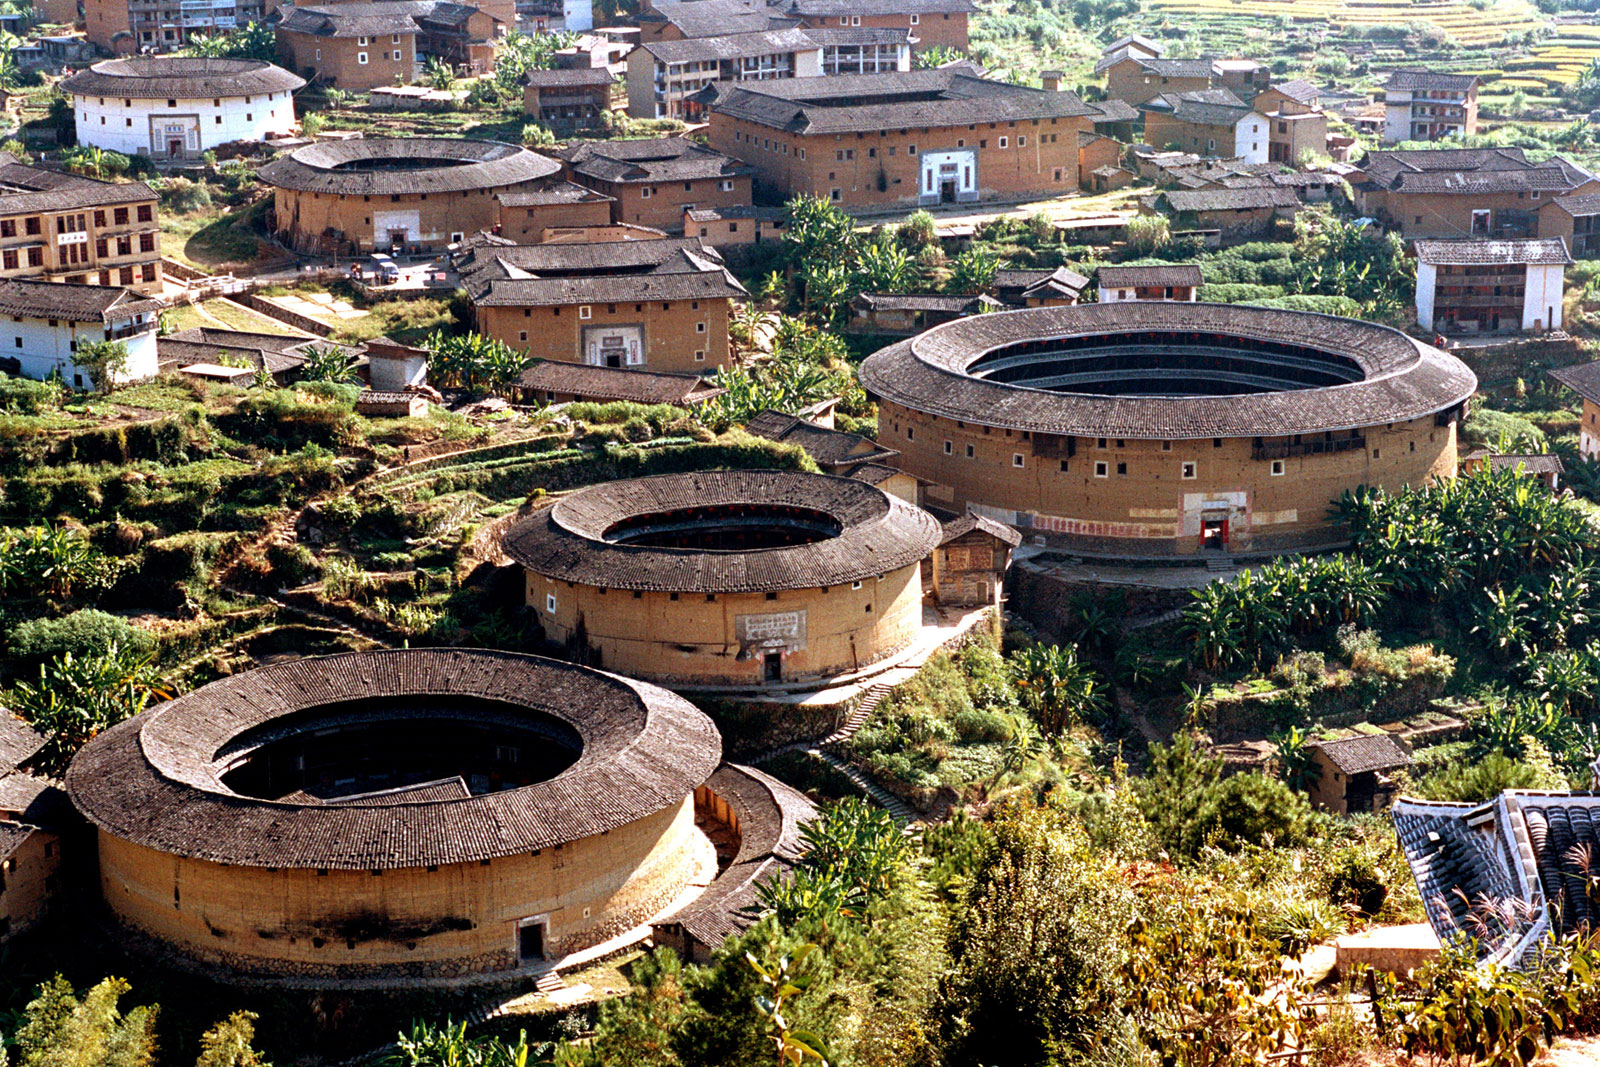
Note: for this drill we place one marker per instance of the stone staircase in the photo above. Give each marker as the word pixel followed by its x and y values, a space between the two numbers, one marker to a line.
pixel 549 982
pixel 858 717
pixel 897 808
pixel 1220 565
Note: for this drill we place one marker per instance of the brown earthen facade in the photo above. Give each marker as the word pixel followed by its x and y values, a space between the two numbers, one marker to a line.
pixel 354 64
pixel 1148 496
pixel 311 220
pixel 677 335
pixel 530 223
pixel 696 639
pixel 27 876
pixel 443 920
pixel 1130 82
pixel 1009 159
pixel 661 204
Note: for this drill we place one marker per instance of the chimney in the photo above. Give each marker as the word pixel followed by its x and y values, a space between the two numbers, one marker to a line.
pixel 1051 81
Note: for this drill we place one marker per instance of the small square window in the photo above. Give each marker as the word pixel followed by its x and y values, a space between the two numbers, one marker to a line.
pixel 361 58
pixel 1122 468
pixel 583 311
pixel 1277 467
pixel 1064 466
pixel 1101 468
pixel 972 452
pixel 911 435
pixel 1005 142
pixel 550 603
pixel 699 327
pixel 1017 460
pixel 1166 446
pixel 699 355
pixel 855 585
pixel 949 448
pixel 1100 442
pixel 1188 470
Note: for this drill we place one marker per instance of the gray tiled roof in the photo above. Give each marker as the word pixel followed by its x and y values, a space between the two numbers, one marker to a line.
pixel 708 18
pixel 25 189
pixel 960 527
pixel 1470 171
pixel 276 353
pixel 564 78
pixel 1157 274
pixel 1548 250
pixel 617 383
pixel 878 534
pixel 1248 198
pixel 18 741
pixel 1510 872
pixel 769 42
pixel 830 448
pixel 554 193
pixel 382 166
pixel 1039 281
pixel 1113 111
pixel 1427 79
pixel 955 305
pixel 156 779
pixel 659 159
pixel 770 815
pixel 1579 204
pixel 606 272
pixel 1203 107
pixel 1583 379
pixel 1203 67
pixel 874 8
pixel 1403 378
pixel 849 103
pixel 72 303
pixel 13 835
pixel 1365 752
pixel 1299 90
pixel 353 20
pixel 158 77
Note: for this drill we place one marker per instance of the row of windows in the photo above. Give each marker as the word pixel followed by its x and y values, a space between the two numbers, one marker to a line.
pixel 173 103
pixel 10 258
pixel 586 311
pixel 249 116
pixel 550 601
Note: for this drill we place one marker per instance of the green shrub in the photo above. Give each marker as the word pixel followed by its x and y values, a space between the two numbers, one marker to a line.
pixel 82 633
pixel 22 396
pixel 1248 809
pixel 978 727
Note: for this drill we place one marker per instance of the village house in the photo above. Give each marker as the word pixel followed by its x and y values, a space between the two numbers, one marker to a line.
pixel 1296 125
pixel 1038 287
pixel 126 27
pixel 652 182
pixel 1545 468
pixel 532 216
pixel 1479 286
pixel 49 321
pixel 1575 218
pixel 566 99
pixel 1242 214
pixel 665 76
pixel 1207 122
pixel 656 305
pixel 1467 192
pixel 1096 154
pixel 837 452
pixel 927 23
pixel 1422 105
pixel 554 382
pixel 1584 379
pixel 943 135
pixel 969 566
pixel 1354 772
pixel 66 228
pixel 1168 282
pixel 280 355
pixel 905 314
pixel 357 46
pixel 1135 78
pixel 1109 118
pixel 31 811
pixel 722 227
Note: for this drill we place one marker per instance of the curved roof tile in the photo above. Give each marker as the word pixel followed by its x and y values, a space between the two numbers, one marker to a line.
pixel 880 534
pixel 155 779
pixel 1404 378
pixel 358 167
pixel 180 77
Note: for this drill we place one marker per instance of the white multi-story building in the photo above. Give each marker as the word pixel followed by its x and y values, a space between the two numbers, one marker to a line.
pixel 42 325
pixel 173 109
pixel 1491 286
pixel 663 75
pixel 1419 105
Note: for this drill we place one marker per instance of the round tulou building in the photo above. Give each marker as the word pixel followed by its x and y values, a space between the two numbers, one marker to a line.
pixel 728 578
pixel 175 109
pixel 431 812
pixel 382 194
pixel 1166 428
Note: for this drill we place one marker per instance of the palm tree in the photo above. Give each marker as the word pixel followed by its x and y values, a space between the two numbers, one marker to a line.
pixel 1060 691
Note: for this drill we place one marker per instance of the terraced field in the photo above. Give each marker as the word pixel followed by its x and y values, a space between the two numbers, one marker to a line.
pixel 1466 24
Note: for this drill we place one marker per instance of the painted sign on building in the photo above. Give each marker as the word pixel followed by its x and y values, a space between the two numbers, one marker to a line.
pixel 778 631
